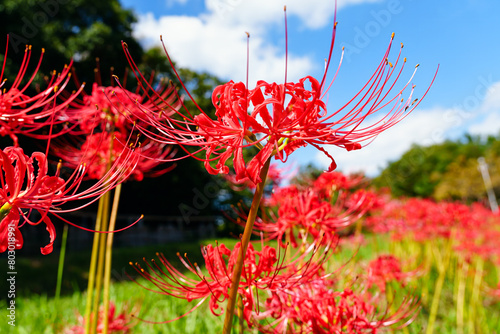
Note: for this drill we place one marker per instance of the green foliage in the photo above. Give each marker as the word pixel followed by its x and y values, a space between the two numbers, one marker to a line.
pixel 444 171
pixel 78 29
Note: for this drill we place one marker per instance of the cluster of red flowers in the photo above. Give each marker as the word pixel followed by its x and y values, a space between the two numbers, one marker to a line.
pixel 103 123
pixel 25 114
pixel 317 307
pixel 117 323
pixel 290 288
pixel 276 119
pixel 474 229
pixel 318 212
pixel 265 270
pixel 284 289
pixel 271 121
pixel 27 183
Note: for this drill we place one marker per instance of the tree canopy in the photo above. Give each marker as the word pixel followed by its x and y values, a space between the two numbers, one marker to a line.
pixel 82 30
pixel 444 171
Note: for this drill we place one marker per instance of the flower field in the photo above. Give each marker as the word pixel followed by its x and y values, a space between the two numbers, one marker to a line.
pixel 321 253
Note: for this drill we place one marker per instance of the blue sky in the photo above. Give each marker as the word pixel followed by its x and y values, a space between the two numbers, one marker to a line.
pixel 461 36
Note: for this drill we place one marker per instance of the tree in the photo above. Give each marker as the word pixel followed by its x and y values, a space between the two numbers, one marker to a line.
pixel 443 171
pixel 82 30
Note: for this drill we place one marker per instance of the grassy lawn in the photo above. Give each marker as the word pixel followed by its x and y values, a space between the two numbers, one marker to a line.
pixel 38 312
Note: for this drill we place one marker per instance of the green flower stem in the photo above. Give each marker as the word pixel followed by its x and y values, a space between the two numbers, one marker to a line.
pixel 442 264
pixel 245 239
pixel 97 258
pixel 475 298
pixel 108 260
pixel 462 269
pixel 60 267
pixel 427 261
pixel 93 266
pixel 100 263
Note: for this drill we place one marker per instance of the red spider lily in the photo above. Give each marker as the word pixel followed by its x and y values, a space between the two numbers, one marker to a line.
pixel 276 119
pixel 106 118
pixel 426 220
pixel 327 183
pixel 262 270
pixel 305 214
pixel 422 218
pixel 474 229
pixel 117 323
pixel 384 269
pixel 21 113
pixel 478 233
pixel 316 307
pixel 105 147
pixel 116 108
pixel 26 185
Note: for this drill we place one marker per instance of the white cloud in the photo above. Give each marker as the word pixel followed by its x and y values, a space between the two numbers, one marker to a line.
pixel 423 127
pixel 204 44
pixel 490 125
pixel 258 14
pixel 492 98
pixel 215 41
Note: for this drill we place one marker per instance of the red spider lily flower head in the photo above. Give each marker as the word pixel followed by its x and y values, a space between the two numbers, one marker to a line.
pixel 262 270
pixel 478 232
pixel 104 148
pixel 115 107
pixel 304 214
pixel 27 185
pixel 107 118
pixel 105 104
pixel 22 113
pixel 276 119
pixel 120 323
pixel 327 183
pixel 317 307
pixel 384 269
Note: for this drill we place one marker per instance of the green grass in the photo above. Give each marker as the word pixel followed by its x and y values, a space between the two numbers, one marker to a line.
pixel 40 314
pixel 37 312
